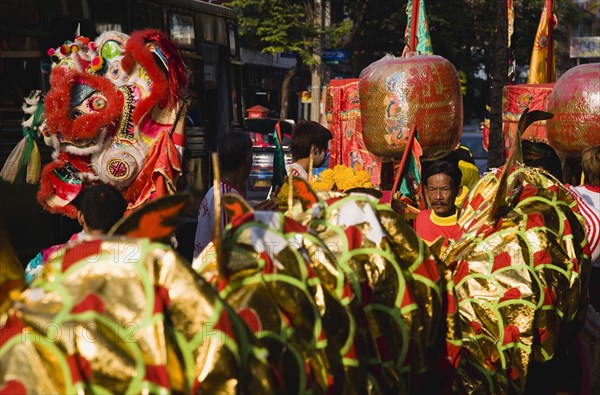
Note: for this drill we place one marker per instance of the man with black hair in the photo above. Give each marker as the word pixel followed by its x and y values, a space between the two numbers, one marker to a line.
pixel 235 160
pixel 100 207
pixel 463 158
pixel 309 140
pixel 441 185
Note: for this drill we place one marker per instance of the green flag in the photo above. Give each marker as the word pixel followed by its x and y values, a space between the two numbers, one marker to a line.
pixel 410 184
pixel 279 172
pixel 417 19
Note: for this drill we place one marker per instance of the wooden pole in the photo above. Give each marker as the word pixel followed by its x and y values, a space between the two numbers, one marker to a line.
pixel 550 48
pixel 218 220
pixel 499 80
pixel 315 105
pixel 407 149
pixel 290 195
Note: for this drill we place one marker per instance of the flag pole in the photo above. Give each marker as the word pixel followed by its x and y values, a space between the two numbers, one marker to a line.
pixel 278 129
pixel 407 148
pixel 278 161
pixel 218 219
pixel 550 48
pixel 413 25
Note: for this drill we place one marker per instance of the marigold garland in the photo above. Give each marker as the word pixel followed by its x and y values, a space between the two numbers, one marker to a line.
pixel 341 178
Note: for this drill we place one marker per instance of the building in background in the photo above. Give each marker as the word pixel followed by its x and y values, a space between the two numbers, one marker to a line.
pixel 205 33
pixel 262 76
pixel 585 38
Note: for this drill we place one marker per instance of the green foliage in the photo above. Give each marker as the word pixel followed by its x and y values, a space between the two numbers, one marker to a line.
pixel 527 18
pixel 339 33
pixel 277 26
pixel 462 31
pixel 464 36
pixel 380 32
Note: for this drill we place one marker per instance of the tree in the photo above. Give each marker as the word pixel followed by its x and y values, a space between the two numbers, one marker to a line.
pixel 373 28
pixel 285 26
pixel 378 30
pixel 462 31
pixel 499 80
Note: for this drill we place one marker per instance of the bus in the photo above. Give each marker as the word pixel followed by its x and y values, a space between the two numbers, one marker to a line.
pixel 206 35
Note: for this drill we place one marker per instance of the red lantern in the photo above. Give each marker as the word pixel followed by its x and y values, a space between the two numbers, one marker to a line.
pixel 575 103
pixel 395 93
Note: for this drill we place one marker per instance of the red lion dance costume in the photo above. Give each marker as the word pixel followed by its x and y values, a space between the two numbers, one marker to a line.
pixel 110 111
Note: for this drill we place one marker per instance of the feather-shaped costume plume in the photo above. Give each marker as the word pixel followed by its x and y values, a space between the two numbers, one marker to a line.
pixel 24 162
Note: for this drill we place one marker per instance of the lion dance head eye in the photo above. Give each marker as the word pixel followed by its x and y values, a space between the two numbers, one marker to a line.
pixel 97 103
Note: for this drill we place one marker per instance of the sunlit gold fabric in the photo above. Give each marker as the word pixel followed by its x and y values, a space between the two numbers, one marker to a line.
pixel 520 280
pixel 126 316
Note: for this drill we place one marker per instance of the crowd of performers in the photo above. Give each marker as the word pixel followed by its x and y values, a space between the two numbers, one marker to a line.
pixel 339 293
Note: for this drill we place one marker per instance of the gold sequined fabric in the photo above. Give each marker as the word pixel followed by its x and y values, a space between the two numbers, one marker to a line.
pixel 348 277
pixel 406 299
pixel 116 315
pixel 284 283
pixel 520 278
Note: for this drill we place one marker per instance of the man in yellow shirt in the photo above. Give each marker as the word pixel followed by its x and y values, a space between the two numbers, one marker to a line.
pixel 463 158
pixel 441 185
pixel 466 164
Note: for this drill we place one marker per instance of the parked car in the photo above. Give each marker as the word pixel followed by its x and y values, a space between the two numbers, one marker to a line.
pixel 261 173
pixel 473 140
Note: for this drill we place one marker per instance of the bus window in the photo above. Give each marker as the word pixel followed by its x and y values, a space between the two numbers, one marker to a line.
pixel 221 33
pixel 195 74
pixel 15 16
pixel 214 29
pixel 106 19
pixel 210 55
pixel 233 48
pixel 181 30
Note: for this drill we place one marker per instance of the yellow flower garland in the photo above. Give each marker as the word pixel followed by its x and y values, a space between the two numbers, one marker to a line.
pixel 341 178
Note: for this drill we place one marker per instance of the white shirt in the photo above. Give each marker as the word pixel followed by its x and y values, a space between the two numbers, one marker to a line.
pixel 296 170
pixel 206 217
pixel 589 205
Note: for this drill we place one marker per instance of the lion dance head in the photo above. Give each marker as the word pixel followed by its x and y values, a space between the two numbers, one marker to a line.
pixel 110 112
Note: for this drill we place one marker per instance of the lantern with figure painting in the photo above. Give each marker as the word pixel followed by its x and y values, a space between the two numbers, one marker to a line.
pixel 396 93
